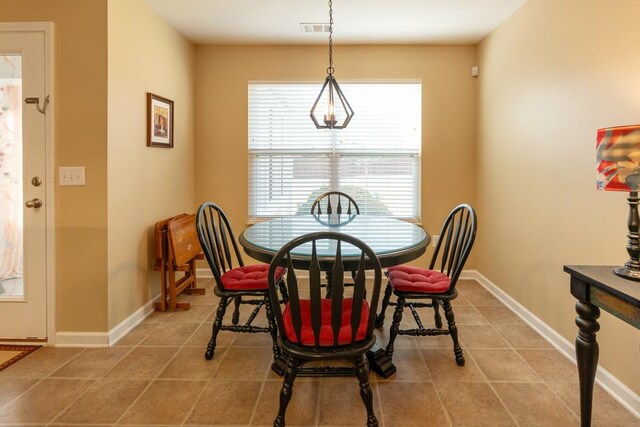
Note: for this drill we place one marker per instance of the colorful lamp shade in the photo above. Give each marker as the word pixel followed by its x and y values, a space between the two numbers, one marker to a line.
pixel 618 158
pixel 618 163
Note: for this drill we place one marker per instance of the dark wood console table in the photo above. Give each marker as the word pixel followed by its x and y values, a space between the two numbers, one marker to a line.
pixel 598 287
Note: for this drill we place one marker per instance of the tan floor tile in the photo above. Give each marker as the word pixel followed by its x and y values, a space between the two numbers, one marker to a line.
pixel 469 285
pixel 41 362
pixel 262 339
pixel 409 365
pixel 460 300
pixel 436 341
pixel 442 366
pixel 475 404
pixel 10 388
pixel 104 402
pixel 157 317
pixel 411 404
pixel 226 402
pixel 340 402
pixel 503 365
pixel 190 363
pixel 480 297
pixel 143 362
pixel 43 402
pixel 135 336
pixel 607 412
pixel 402 341
pixel 245 363
pixel 164 402
pixel 208 298
pixel 534 405
pixel 302 407
pixel 499 315
pixel 550 365
pixel 203 334
pixel 465 315
pixel 170 334
pixel 92 363
pixel 522 336
pixel 195 314
pixel 481 336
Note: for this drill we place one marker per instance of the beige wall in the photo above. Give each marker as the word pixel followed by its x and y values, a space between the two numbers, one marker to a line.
pixel 549 77
pixel 80 137
pixel 448 114
pixel 146 184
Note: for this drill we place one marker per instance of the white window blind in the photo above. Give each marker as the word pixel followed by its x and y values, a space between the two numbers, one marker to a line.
pixel 376 159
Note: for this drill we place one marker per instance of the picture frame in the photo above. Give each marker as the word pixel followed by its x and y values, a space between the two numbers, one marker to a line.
pixel 159 121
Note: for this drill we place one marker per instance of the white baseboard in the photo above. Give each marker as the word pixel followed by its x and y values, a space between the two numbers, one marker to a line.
pixel 106 339
pixel 623 394
pixel 82 339
pixel 123 328
pixel 204 273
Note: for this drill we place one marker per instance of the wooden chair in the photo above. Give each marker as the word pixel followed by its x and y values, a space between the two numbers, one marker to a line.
pixel 332 202
pixel 233 283
pixel 177 249
pixel 438 283
pixel 315 328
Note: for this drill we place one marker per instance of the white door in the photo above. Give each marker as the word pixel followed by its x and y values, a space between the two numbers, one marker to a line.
pixel 23 149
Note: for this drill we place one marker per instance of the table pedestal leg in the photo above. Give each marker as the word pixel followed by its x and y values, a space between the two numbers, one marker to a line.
pixel 587 356
pixel 379 362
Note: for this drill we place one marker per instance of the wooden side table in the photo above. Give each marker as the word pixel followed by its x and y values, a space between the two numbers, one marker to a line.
pixel 596 287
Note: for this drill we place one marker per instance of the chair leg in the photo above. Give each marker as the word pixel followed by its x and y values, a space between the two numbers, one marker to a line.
pixel 385 304
pixel 217 324
pixel 235 319
pixel 395 326
pixel 283 291
pixel 436 315
pixel 453 331
pixel 329 276
pixel 365 390
pixel 286 391
pixel 272 327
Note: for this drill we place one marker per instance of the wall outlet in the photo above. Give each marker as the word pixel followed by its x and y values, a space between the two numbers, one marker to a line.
pixel 434 240
pixel 71 175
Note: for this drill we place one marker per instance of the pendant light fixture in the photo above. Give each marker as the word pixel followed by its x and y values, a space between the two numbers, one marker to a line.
pixel 338 112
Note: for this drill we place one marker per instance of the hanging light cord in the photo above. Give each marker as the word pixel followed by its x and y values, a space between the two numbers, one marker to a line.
pixel 330 69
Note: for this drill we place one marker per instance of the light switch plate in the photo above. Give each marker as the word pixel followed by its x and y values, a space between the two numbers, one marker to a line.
pixel 71 175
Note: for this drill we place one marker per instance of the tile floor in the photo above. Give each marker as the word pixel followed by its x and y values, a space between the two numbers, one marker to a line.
pixel 157 375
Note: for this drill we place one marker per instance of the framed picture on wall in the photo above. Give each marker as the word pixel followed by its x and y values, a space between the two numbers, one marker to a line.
pixel 159 121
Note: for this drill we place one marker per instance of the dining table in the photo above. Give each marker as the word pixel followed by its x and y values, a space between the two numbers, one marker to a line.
pixel 394 242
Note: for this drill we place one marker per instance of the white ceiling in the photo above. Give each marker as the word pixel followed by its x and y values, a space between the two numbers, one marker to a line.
pixel 355 21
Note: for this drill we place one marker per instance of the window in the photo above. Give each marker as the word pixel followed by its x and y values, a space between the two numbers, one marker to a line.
pixel 376 159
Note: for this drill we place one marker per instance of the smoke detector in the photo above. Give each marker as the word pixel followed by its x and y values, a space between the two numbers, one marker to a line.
pixel 314 27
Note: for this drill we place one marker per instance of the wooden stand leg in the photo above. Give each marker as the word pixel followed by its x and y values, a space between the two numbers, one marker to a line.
pixel 587 352
pixel 162 305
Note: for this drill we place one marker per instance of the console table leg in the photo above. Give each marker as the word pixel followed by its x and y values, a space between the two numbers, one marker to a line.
pixel 587 352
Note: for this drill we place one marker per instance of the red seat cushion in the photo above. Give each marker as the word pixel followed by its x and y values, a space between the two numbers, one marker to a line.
pixel 326 332
pixel 249 278
pixel 406 278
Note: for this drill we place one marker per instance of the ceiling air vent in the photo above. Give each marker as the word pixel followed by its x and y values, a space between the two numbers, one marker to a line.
pixel 314 28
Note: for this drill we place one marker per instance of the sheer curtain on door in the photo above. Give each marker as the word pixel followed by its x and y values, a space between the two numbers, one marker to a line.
pixel 11 253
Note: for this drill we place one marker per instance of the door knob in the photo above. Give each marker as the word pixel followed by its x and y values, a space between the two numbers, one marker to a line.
pixel 35 203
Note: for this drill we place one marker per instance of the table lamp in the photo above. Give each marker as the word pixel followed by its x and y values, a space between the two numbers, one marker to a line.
pixel 618 162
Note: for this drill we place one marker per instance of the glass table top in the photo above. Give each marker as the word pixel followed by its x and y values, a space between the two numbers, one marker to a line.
pixel 384 235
